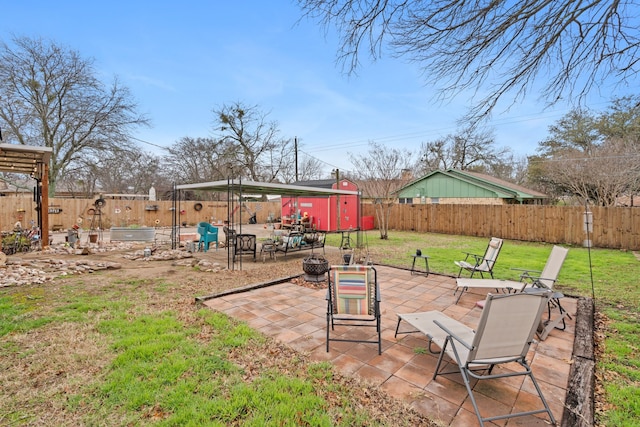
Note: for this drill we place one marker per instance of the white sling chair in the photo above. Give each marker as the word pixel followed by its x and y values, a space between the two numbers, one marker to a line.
pixel 503 335
pixel 481 263
pixel 531 280
pixel 546 279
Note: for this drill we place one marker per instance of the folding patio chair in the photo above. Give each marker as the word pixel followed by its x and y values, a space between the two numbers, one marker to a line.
pixel 503 336
pixel 353 299
pixel 549 274
pixel 481 263
pixel 546 279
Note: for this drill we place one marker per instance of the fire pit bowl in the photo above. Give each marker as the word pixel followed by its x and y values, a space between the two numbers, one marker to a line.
pixel 315 267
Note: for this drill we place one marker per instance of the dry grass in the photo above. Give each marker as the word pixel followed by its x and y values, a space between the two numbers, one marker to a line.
pixel 43 369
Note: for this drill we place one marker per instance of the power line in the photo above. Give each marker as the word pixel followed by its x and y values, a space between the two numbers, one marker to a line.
pixel 584 159
pixel 438 131
pixel 149 143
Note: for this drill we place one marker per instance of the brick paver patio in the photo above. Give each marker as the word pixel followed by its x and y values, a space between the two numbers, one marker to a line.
pixel 296 315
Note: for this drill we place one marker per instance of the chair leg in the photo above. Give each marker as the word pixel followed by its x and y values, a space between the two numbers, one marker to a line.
pixel 397 327
pixel 379 330
pixel 440 357
pixel 544 401
pixel 563 312
pixel 467 384
pixel 329 321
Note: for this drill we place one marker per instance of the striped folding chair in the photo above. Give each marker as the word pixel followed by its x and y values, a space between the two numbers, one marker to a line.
pixel 353 299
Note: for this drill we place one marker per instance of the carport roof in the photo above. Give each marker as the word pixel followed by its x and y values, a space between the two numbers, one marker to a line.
pixel 17 158
pixel 251 187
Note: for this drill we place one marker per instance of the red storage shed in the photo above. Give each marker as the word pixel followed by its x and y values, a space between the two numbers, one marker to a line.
pixel 322 212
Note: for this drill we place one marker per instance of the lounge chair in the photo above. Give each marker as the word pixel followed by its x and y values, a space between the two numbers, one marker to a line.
pixel 549 274
pixel 531 280
pixel 481 263
pixel 546 279
pixel 463 284
pixel 353 299
pixel 503 336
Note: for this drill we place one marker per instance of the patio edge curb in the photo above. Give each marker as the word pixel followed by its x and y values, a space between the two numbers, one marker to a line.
pixel 247 288
pixel 579 404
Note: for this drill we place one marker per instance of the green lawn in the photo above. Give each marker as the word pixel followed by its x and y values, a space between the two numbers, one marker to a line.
pixel 611 276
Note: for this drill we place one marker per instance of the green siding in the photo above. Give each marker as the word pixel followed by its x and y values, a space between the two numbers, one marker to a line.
pixel 459 184
pixel 447 187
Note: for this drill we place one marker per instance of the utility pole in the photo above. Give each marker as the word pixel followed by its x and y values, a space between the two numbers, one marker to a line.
pixel 337 200
pixel 295 142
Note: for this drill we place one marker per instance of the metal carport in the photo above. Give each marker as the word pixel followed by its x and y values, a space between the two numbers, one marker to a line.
pixel 239 187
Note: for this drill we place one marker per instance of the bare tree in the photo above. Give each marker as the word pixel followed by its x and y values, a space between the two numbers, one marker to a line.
pixel 52 97
pixel 512 168
pixel 258 152
pixel 470 148
pixel 198 159
pixel 501 46
pixel 379 173
pixel 591 156
pixel 609 171
pixel 127 172
pixel 309 168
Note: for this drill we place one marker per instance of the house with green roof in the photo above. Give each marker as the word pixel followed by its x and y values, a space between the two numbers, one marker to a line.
pixel 464 187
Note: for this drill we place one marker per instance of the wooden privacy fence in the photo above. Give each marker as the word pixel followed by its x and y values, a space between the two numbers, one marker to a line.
pixel 617 228
pixel 64 213
pixel 613 227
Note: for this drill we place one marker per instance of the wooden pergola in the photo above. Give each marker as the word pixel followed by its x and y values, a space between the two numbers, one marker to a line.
pixel 32 161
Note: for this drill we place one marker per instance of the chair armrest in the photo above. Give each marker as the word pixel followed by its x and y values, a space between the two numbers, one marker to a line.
pixel 479 259
pixel 452 335
pixel 525 270
pixel 539 284
pixel 529 275
pixel 469 254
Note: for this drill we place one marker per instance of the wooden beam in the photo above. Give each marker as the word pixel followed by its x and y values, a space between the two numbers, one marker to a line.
pixel 44 206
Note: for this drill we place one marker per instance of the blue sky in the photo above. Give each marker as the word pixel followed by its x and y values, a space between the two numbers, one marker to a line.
pixel 183 59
